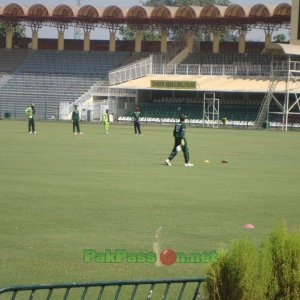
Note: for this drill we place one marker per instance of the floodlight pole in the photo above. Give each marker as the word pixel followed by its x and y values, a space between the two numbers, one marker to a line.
pixel 286 105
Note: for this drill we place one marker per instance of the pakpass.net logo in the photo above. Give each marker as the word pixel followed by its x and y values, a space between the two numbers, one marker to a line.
pixel 166 257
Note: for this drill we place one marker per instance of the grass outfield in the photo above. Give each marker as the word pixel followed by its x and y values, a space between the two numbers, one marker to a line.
pixel 61 194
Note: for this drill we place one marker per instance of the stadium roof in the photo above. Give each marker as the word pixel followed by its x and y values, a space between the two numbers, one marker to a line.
pixel 283 49
pixel 160 15
pixel 213 84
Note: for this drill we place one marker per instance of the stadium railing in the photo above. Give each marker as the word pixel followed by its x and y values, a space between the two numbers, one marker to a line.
pixel 130 289
pixel 212 70
pixel 132 71
pixel 146 67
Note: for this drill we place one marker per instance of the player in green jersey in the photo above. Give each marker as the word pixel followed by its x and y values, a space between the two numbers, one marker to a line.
pixel 180 143
pixel 105 120
pixel 75 119
pixel 136 121
pixel 30 112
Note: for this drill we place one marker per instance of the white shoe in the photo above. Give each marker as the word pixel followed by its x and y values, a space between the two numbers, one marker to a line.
pixel 30 132
pixel 75 133
pixel 189 164
pixel 168 162
pixel 35 132
pixel 80 133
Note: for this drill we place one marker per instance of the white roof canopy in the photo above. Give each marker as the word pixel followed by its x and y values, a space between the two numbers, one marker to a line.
pixel 283 49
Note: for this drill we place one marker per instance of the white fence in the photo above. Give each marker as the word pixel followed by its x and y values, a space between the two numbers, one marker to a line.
pixel 212 70
pixel 147 67
pixel 136 70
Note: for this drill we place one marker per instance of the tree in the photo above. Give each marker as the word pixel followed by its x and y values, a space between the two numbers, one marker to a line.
pixel 279 38
pixel 19 31
pixel 177 34
pixel 127 34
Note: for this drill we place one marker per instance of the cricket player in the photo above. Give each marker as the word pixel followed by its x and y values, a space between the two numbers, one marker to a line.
pixel 30 112
pixel 75 119
pixel 106 121
pixel 180 143
pixel 136 121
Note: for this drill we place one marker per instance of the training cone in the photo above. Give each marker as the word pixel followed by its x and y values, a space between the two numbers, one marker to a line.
pixel 249 226
pixel 206 161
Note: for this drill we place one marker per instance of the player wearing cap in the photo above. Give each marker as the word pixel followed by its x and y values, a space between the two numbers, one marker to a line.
pixel 75 119
pixel 30 111
pixel 180 143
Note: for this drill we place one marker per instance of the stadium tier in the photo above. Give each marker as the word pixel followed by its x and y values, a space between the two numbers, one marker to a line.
pixel 48 77
pixel 10 60
pixel 228 58
pixel 194 110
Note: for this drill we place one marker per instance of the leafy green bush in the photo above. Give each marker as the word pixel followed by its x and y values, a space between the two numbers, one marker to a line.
pixel 242 272
pixel 284 247
pixel 248 271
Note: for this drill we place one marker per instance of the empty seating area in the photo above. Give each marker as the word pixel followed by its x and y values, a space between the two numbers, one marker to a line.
pixel 45 90
pixel 240 99
pixel 134 57
pixel 232 46
pixel 48 77
pixel 164 111
pixel 228 58
pixel 239 112
pixel 72 62
pixel 189 100
pixel 10 60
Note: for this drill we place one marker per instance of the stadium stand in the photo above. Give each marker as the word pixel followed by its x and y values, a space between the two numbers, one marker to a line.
pixel 168 110
pixel 48 77
pixel 10 60
pixel 239 109
pixel 227 58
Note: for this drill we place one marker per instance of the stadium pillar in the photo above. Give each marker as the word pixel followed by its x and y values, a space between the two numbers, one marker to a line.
pixel 60 45
pixel 34 39
pixel 9 37
pixel 138 41
pixel 216 41
pixel 295 23
pixel 112 40
pixel 163 43
pixel 242 41
pixel 268 39
pixel 86 41
pixel 189 41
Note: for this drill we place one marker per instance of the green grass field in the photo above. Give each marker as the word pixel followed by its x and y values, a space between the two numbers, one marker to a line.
pixel 61 194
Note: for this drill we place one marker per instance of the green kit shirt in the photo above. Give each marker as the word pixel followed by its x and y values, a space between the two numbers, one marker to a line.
pixel 75 115
pixel 136 116
pixel 29 112
pixel 179 130
pixel 105 117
